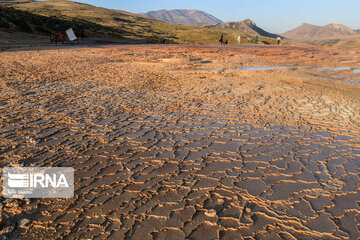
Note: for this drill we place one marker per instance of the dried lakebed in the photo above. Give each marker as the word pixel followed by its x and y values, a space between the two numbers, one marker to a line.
pixel 180 154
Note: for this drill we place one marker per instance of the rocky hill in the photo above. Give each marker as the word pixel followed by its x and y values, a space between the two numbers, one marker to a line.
pixel 308 32
pixel 246 26
pixel 183 16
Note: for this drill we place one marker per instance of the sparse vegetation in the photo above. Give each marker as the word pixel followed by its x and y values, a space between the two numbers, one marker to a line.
pixel 47 16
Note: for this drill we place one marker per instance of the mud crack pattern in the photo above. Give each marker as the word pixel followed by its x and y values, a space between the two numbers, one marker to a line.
pixel 159 165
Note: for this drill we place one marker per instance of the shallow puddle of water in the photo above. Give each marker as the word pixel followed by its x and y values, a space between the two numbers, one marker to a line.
pixel 211 69
pixel 350 61
pixel 256 68
pixel 356 70
pixel 260 68
pixel 341 68
pixel 333 68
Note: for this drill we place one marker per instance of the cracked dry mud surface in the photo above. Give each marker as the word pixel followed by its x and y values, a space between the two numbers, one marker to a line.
pixel 164 149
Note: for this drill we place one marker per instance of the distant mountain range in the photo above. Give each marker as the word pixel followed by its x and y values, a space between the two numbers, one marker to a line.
pixel 197 17
pixel 246 26
pixel 183 16
pixel 308 32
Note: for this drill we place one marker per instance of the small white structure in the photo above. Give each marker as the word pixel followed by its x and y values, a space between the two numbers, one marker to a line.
pixel 239 39
pixel 71 35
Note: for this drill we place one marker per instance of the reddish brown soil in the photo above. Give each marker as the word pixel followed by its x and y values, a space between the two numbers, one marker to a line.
pixel 164 149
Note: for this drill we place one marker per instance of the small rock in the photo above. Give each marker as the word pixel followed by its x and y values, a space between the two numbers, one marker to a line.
pixel 23 222
pixel 210 213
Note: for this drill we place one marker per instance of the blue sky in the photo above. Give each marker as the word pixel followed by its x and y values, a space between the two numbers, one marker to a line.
pixel 276 16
